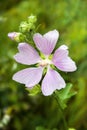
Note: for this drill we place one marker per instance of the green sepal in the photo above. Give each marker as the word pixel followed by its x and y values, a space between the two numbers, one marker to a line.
pixel 34 91
pixel 42 56
pixel 32 19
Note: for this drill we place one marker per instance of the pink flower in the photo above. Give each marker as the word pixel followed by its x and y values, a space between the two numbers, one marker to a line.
pixel 29 56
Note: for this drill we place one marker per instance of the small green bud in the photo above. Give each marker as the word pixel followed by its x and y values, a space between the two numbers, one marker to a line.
pixel 26 27
pixel 32 19
pixel 31 26
pixel 23 27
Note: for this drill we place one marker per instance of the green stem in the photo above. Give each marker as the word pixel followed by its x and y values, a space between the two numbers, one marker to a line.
pixel 61 110
pixel 0 113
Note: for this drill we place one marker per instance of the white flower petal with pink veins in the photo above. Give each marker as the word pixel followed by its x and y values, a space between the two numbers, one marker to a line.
pixel 30 76
pixel 62 61
pixel 47 42
pixel 51 82
pixel 27 54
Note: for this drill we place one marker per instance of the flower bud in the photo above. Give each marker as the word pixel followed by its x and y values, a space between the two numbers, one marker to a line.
pixel 16 36
pixel 12 35
pixel 23 27
pixel 26 27
pixel 32 19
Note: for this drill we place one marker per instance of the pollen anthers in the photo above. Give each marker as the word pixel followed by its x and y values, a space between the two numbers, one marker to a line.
pixel 45 62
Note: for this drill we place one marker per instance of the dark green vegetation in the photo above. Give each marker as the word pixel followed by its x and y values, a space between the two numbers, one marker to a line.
pixel 39 112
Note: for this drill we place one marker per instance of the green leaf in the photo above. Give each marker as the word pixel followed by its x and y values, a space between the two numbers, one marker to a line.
pixel 66 92
pixel 34 91
pixel 63 95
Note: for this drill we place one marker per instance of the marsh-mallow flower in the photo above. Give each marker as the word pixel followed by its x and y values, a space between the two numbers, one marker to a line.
pixel 29 56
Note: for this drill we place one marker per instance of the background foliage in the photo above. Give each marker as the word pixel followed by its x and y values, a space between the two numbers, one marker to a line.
pixel 39 112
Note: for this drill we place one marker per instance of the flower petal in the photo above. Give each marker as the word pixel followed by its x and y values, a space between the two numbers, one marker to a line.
pixel 51 82
pixel 62 61
pixel 29 76
pixel 27 54
pixel 47 42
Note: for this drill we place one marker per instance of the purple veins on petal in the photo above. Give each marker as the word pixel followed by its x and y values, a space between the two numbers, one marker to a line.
pixel 27 54
pixel 60 53
pixel 62 61
pixel 51 82
pixel 30 76
pixel 47 42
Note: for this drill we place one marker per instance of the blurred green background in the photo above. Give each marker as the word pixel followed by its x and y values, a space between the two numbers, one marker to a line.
pixel 69 17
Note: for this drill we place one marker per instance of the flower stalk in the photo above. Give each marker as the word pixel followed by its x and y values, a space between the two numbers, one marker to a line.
pixel 61 111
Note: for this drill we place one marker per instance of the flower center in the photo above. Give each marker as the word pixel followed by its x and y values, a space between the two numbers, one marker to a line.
pixel 45 62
